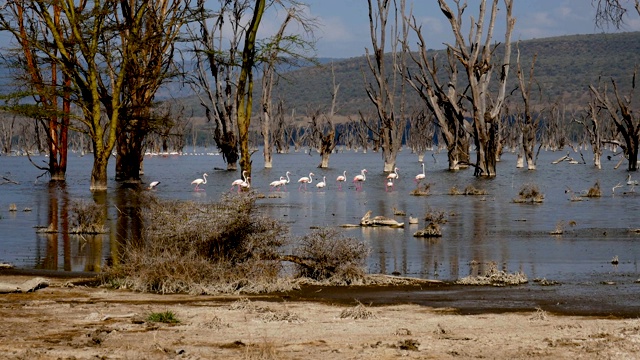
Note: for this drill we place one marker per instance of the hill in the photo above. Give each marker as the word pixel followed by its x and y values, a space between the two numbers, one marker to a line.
pixel 564 69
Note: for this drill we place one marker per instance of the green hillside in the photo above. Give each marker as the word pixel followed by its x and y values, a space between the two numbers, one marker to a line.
pixel 565 67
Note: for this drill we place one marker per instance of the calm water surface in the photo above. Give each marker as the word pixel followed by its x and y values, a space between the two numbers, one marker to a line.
pixel 479 228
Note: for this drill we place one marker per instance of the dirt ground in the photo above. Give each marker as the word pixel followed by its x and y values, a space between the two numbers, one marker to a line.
pixel 64 321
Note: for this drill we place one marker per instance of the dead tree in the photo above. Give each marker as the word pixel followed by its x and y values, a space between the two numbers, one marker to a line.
pixel 592 125
pixel 626 121
pixel 420 134
pixel 323 127
pixel 529 124
pixel 381 92
pixel 476 59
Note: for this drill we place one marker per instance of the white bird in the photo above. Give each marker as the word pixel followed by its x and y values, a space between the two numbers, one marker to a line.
pixel 304 181
pixel 285 182
pixel 389 186
pixel 238 182
pixel 340 179
pixel 245 185
pixel 359 179
pixel 394 174
pixel 277 183
pixel 420 177
pixel 631 182
pixel 153 185
pixel 199 182
pixel 322 183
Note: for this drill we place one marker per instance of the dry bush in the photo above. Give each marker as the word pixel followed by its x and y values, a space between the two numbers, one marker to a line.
pixel 423 190
pixel 435 216
pixel 469 190
pixel 594 191
pixel 192 247
pixel 559 230
pixel 494 277
pixel 357 312
pixel 529 193
pixel 430 231
pixel 87 218
pixel 325 254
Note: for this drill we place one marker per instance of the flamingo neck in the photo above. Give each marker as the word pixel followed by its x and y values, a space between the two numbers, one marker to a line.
pixel 205 178
pixel 288 177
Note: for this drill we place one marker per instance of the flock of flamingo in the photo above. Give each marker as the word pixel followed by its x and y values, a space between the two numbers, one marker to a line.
pixel 276 185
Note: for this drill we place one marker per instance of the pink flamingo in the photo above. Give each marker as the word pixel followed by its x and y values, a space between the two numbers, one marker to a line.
pixel 285 182
pixel 390 185
pixel 420 177
pixel 277 183
pixel 393 175
pixel 340 179
pixel 238 182
pixel 199 182
pixel 359 179
pixel 322 183
pixel 245 185
pixel 304 181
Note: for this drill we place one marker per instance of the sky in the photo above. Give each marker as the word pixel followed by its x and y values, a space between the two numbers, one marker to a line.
pixel 343 25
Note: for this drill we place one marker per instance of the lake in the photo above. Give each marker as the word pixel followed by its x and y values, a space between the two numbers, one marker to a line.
pixel 480 229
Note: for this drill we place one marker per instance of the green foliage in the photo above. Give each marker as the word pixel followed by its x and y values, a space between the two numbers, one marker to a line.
pixel 166 317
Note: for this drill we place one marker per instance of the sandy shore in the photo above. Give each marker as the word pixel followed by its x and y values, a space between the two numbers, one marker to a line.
pixel 64 321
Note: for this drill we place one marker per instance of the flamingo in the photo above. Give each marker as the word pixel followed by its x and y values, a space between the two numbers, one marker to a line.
pixel 304 181
pixel 322 183
pixel 199 182
pixel 359 179
pixel 277 183
pixel 340 179
pixel 393 175
pixel 238 182
pixel 420 177
pixel 245 185
pixel 285 182
pixel 153 185
pixel 389 186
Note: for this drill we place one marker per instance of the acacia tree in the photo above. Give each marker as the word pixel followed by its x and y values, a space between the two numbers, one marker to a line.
pixel 476 58
pixel 381 92
pixel 150 31
pixel 18 20
pixel 244 96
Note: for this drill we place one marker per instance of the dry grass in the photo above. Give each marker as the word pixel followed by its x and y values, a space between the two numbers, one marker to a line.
pixel 529 193
pixel 494 277
pixel 430 231
pixel 358 312
pixel 87 218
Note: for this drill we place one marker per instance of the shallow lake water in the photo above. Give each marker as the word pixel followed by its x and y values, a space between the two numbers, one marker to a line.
pixel 480 229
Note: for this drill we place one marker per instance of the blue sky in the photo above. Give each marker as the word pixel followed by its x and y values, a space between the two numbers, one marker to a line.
pixel 344 27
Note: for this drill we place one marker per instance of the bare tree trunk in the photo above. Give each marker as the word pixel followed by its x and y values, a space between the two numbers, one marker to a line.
pixel 476 58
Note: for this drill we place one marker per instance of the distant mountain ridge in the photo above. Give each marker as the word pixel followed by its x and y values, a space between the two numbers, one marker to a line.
pixel 565 67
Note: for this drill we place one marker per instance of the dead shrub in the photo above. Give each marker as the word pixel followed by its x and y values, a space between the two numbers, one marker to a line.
pixel 594 191
pixel 430 231
pixel 423 190
pixel 468 190
pixel 87 218
pixel 357 312
pixel 325 254
pixel 529 193
pixel 190 247
pixel 493 277
pixel 435 216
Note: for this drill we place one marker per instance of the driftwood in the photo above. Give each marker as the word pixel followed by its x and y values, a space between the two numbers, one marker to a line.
pixel 367 220
pixel 28 286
